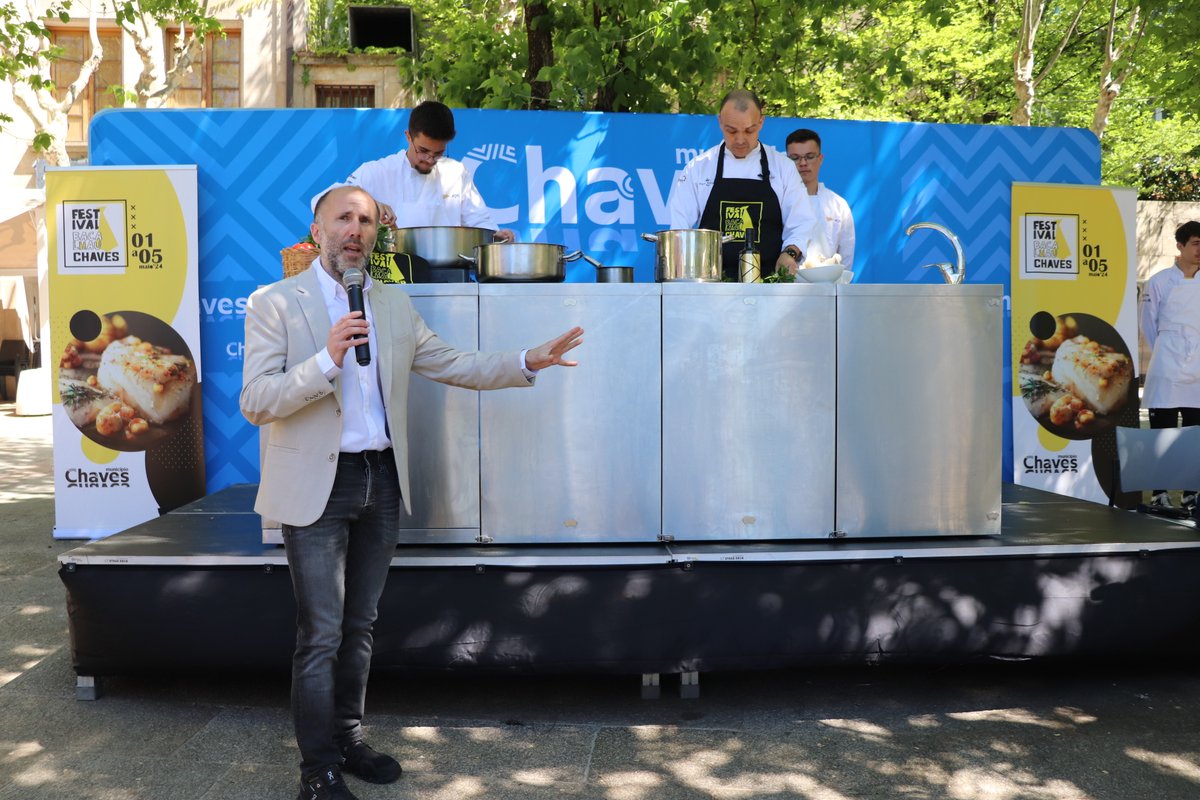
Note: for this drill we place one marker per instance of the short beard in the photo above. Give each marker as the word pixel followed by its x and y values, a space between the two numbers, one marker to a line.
pixel 337 264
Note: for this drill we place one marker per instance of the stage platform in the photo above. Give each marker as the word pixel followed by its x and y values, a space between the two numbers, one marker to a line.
pixel 197 589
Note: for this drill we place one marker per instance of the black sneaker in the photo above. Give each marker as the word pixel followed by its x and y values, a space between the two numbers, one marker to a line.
pixel 1189 501
pixel 326 786
pixel 373 767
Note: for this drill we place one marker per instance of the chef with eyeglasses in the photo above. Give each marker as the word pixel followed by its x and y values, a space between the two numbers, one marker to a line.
pixel 421 185
pixel 833 226
pixel 744 184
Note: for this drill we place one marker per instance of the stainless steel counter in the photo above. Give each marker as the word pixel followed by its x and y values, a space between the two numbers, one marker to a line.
pixel 578 458
pixel 443 426
pixel 704 412
pixel 919 419
pixel 748 410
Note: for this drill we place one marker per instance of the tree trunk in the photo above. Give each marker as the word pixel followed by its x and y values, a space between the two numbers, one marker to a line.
pixel 1024 80
pixel 48 113
pixel 1023 60
pixel 143 43
pixel 1110 85
pixel 153 92
pixel 538 32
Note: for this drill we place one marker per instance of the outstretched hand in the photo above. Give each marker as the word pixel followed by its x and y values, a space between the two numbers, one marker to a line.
pixel 551 353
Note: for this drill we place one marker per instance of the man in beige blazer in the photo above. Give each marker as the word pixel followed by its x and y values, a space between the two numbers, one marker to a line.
pixel 335 472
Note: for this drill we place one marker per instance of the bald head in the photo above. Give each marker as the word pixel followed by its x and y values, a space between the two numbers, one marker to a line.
pixel 741 100
pixel 338 192
pixel 740 120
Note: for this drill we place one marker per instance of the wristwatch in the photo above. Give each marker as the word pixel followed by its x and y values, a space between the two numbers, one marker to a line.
pixel 792 251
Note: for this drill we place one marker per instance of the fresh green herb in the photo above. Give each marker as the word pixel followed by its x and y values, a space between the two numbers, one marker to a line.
pixel 76 394
pixel 384 239
pixel 1036 388
pixel 780 275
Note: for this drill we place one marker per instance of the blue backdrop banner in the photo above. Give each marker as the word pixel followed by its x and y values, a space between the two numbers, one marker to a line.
pixel 592 181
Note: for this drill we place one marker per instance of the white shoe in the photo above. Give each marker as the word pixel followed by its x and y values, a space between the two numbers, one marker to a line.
pixel 1189 501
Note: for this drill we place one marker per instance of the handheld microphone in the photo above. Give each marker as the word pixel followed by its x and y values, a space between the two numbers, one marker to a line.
pixel 353 279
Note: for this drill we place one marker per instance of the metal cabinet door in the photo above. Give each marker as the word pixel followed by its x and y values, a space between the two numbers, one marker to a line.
pixel 577 457
pixel 919 410
pixel 748 411
pixel 443 427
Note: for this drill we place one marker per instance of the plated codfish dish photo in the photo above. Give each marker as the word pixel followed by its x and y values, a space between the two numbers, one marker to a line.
pixel 124 387
pixel 1075 381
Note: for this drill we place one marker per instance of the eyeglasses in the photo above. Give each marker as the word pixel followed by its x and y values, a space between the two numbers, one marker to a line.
pixel 809 157
pixel 425 152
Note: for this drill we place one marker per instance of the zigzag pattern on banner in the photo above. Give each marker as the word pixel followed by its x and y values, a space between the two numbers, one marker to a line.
pixel 486 152
pixel 958 176
pixel 230 443
pixel 259 168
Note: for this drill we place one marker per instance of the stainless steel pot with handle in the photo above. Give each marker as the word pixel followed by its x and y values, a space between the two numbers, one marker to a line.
pixel 610 274
pixel 440 244
pixel 687 254
pixel 520 261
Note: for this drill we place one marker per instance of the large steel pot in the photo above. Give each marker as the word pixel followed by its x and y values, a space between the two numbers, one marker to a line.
pixel 520 261
pixel 687 254
pixel 440 244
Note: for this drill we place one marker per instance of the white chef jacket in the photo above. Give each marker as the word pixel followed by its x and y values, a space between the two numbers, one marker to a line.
pixel 1173 377
pixel 446 196
pixel 1157 288
pixel 693 185
pixel 833 229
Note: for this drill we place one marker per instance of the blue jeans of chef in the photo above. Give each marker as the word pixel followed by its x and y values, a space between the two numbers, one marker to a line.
pixel 339 565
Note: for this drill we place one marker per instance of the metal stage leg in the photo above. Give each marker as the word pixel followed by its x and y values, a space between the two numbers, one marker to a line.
pixel 650 686
pixel 87 687
pixel 689 685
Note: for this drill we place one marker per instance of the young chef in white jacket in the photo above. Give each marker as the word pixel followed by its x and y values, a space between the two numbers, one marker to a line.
pixel 743 181
pixel 420 185
pixel 1170 321
pixel 833 231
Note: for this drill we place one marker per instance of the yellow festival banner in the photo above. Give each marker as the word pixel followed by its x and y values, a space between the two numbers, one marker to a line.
pixel 125 345
pixel 1074 334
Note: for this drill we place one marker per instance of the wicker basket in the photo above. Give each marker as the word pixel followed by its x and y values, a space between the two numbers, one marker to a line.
pixel 296 261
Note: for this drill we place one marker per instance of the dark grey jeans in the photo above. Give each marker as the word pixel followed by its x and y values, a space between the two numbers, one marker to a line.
pixel 339 565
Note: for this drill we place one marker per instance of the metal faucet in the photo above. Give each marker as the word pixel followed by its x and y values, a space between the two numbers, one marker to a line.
pixel 950 273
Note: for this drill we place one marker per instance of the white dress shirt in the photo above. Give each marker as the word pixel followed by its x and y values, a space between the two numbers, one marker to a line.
pixel 364 422
pixel 693 185
pixel 445 196
pixel 833 226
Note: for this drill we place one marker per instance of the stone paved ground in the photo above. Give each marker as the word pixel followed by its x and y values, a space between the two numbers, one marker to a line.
pixel 996 732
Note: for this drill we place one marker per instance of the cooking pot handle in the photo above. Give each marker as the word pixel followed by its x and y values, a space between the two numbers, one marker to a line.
pixel 726 238
pixel 467 258
pixel 573 255
pixel 650 237
pixel 592 261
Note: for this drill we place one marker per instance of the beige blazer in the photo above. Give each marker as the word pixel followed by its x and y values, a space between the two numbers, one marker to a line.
pixel 286 325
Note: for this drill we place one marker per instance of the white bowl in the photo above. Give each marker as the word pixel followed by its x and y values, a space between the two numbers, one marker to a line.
pixel 826 273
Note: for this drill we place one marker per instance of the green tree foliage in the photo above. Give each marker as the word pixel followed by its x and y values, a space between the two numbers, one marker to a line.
pixel 27 54
pixel 21 53
pixel 915 60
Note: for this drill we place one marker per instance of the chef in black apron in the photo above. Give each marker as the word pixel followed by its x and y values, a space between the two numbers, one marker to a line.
pixel 779 216
pixel 738 203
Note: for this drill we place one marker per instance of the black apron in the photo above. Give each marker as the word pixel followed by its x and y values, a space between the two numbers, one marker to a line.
pixel 735 201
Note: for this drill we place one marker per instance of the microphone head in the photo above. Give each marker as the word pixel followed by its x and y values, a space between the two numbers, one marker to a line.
pixel 353 277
